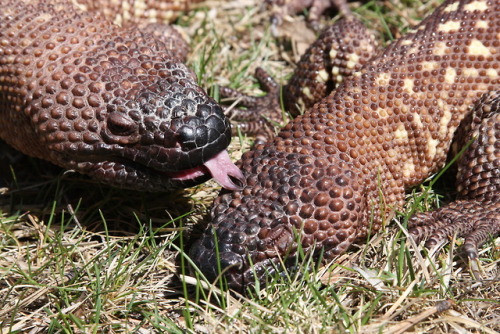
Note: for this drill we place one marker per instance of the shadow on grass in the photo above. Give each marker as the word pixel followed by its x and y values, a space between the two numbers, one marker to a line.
pixel 43 189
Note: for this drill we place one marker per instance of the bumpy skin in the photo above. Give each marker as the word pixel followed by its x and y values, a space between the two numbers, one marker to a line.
pixel 103 100
pixel 149 16
pixel 334 174
pixel 340 50
pixel 476 213
pixel 126 12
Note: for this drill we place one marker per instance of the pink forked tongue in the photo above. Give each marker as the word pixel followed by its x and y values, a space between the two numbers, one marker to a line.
pixel 221 167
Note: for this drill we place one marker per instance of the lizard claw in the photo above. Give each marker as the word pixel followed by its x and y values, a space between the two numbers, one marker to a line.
pixel 476 214
pixel 474 220
pixel 260 114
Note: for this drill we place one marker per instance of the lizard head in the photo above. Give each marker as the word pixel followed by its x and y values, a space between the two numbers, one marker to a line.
pixel 290 200
pixel 135 121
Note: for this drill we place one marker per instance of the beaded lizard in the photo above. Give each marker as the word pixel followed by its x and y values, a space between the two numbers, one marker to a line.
pixel 108 101
pixel 334 174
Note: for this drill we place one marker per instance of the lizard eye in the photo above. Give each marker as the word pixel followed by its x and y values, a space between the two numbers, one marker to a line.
pixel 120 124
pixel 120 129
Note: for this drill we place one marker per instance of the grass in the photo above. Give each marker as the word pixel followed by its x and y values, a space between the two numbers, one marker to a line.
pixel 79 257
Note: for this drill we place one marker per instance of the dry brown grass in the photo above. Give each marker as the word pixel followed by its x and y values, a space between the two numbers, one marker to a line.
pixel 79 257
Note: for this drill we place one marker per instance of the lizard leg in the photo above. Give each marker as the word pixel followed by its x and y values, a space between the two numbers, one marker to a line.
pixel 476 213
pixel 260 113
pixel 340 50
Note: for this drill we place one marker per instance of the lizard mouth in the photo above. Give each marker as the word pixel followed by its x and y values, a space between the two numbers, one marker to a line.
pixel 220 167
pixel 127 173
pixel 240 273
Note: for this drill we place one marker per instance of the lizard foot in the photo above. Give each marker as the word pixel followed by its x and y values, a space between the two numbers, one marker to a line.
pixel 259 114
pixel 474 220
pixel 340 50
pixel 476 213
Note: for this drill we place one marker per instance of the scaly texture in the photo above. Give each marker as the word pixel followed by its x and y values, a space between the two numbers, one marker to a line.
pixel 476 213
pixel 125 12
pixel 149 16
pixel 104 100
pixel 340 50
pixel 337 172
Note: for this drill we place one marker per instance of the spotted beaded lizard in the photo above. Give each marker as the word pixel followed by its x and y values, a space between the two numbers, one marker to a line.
pixel 336 173
pixel 112 102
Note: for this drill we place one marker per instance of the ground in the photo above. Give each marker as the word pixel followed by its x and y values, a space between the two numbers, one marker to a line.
pixel 79 257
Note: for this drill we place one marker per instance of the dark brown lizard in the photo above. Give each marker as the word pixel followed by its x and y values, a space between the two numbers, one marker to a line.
pixel 334 174
pixel 109 101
